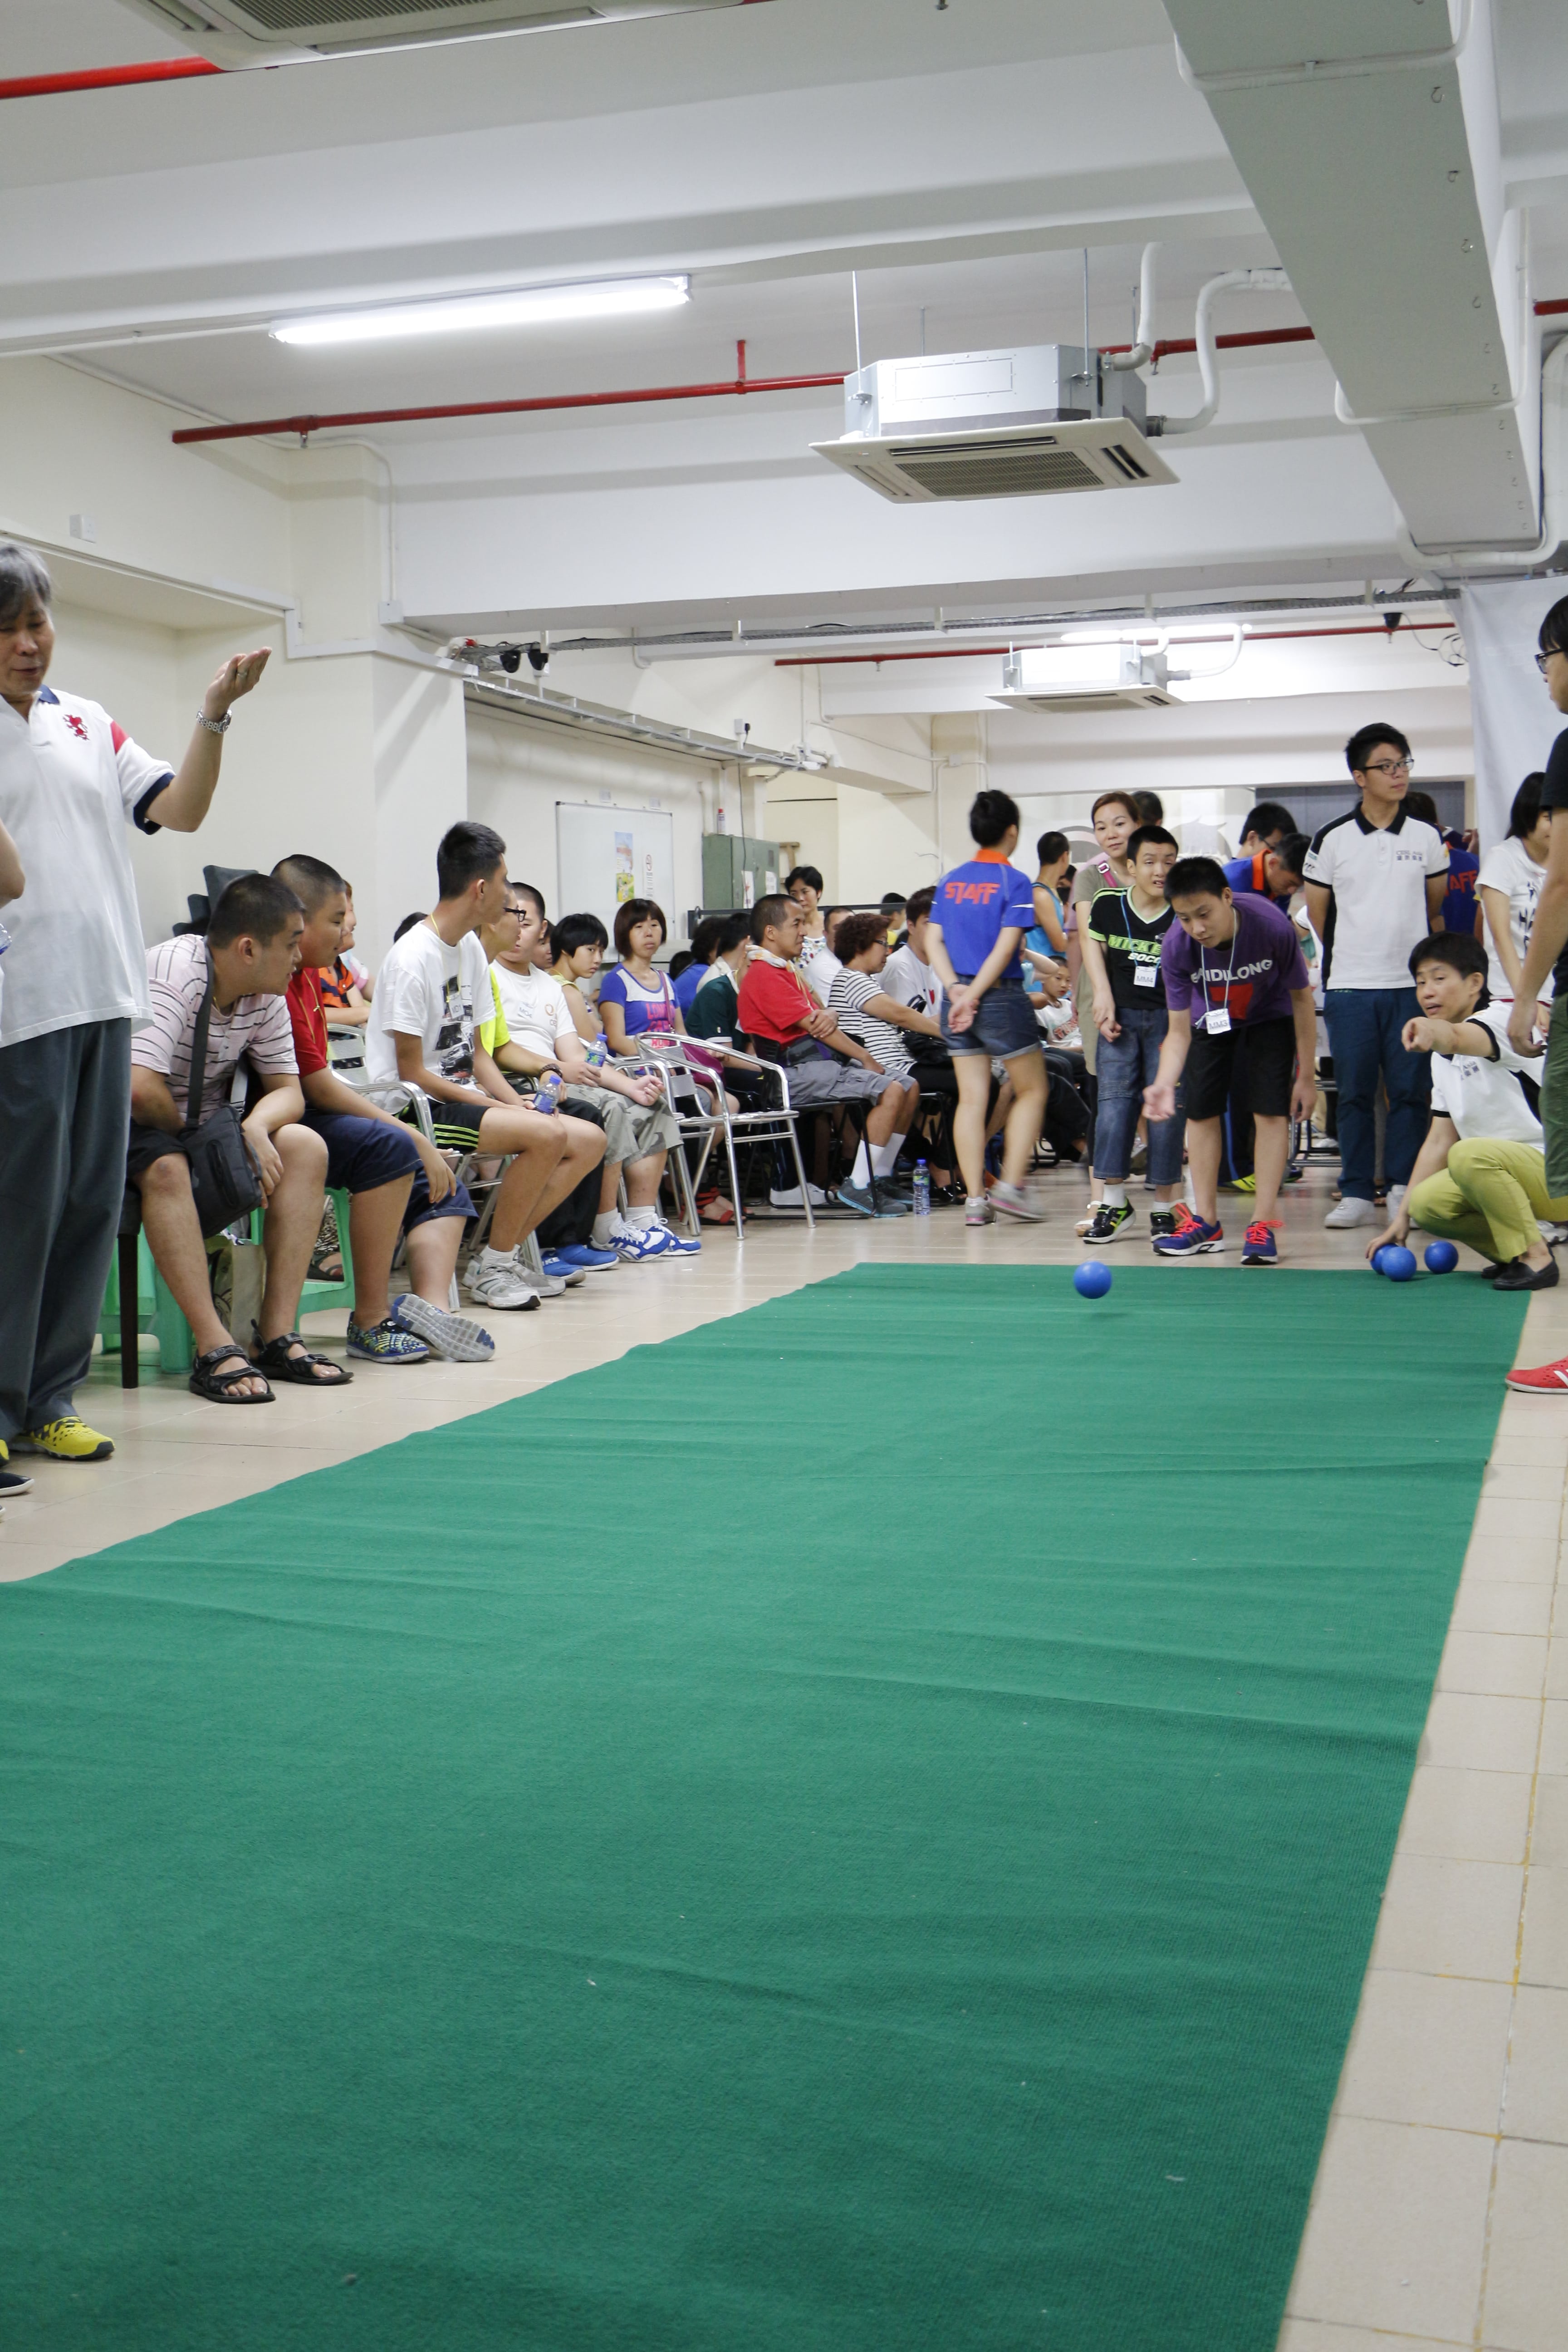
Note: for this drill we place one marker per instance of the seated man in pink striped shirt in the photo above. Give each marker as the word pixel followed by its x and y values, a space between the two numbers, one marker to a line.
pixel 245 961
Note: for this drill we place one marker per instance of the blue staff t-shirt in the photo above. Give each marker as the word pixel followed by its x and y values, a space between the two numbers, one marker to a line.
pixel 976 901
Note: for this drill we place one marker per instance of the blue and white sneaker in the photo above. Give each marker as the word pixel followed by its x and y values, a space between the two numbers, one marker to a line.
pixel 634 1243
pixel 859 1198
pixel 1192 1238
pixel 585 1254
pixel 457 1338
pixel 564 1269
pixel 680 1245
pixel 386 1343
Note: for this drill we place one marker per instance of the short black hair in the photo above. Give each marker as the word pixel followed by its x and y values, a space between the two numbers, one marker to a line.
pixel 1151 807
pixel 406 925
pixel 705 939
pixel 629 913
pixel 1293 851
pixel 527 890
pixel 770 912
pixel 574 932
pixel 1190 878
pixel 1146 833
pixel 468 852
pixel 1461 951
pixel 810 875
pixel 1366 740
pixel 1525 814
pixel 1424 809
pixel 1050 846
pixel 990 814
pixel 311 879
pixel 681 961
pixel 732 930
pixel 1269 816
pixel 894 902
pixel 920 904
pixel 255 907
pixel 1553 637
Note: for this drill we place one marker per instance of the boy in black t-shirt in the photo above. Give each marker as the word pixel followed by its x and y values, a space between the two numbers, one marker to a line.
pixel 1129 927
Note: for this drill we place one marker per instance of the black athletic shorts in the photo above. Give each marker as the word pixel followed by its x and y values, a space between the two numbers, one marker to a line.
pixel 1270 1050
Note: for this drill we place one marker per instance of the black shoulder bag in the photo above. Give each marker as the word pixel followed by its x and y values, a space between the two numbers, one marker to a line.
pixel 224 1182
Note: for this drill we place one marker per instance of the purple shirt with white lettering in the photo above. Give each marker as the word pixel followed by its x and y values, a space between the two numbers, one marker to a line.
pixel 1251 975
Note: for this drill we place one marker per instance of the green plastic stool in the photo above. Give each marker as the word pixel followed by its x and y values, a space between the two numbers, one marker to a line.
pixel 157 1313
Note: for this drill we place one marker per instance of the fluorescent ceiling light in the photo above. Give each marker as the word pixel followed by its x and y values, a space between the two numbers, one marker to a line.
pixel 531 306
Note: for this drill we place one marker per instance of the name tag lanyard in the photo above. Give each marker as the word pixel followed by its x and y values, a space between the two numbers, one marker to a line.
pixel 1144 975
pixel 1216 1017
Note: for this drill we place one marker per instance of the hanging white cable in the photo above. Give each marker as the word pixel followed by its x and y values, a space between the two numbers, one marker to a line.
pixel 1252 282
pixel 1143 350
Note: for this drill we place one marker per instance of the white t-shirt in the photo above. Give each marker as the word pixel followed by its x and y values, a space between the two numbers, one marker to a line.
pixel 1510 868
pixel 818 965
pixel 910 982
pixel 429 991
pixel 1485 1099
pixel 537 1014
pixel 1377 879
pixel 70 782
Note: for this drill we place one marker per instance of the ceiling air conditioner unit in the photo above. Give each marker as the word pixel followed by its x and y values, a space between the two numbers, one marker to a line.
pixel 995 425
pixel 1086 678
pixel 236 33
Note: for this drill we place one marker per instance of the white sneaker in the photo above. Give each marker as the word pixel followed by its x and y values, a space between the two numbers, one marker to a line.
pixel 1350 1212
pixel 453 1337
pixel 634 1243
pixel 547 1286
pixel 790 1198
pixel 1395 1195
pixel 501 1286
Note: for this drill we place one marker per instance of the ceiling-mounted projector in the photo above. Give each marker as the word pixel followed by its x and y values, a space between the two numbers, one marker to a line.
pixel 236 33
pixel 995 425
pixel 1086 678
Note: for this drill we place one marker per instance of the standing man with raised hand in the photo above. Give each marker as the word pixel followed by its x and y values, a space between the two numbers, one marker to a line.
pixel 1375 883
pixel 76 987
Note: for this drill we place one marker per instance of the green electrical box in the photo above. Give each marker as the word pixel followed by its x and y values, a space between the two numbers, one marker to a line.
pixel 737 870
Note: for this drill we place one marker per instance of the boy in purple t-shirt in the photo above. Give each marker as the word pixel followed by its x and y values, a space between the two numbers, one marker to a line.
pixel 1234 971
pixel 978 918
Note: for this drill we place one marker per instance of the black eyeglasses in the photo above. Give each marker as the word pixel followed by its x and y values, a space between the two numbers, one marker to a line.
pixel 1389 768
pixel 1541 659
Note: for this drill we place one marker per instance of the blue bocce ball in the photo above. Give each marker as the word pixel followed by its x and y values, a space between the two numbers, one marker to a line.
pixel 1442 1257
pixel 1398 1263
pixel 1092 1278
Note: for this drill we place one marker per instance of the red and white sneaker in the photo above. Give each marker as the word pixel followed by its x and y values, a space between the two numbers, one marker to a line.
pixel 1546 1379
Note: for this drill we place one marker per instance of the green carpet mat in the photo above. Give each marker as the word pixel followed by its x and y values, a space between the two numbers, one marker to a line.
pixel 856 1830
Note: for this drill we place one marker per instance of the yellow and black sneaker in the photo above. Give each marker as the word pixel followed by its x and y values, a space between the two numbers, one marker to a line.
pixel 66 1440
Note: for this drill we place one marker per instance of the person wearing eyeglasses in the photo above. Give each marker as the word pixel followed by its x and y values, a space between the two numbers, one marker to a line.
pixel 1376 881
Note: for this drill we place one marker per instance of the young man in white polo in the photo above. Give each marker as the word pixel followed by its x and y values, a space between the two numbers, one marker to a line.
pixel 1376 881
pixel 71 781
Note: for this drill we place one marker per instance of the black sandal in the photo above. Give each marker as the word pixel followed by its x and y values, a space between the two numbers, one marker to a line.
pixel 206 1381
pixel 273 1358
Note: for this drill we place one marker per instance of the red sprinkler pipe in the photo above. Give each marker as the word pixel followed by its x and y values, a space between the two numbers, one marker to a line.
pixel 60 85
pixel 304 426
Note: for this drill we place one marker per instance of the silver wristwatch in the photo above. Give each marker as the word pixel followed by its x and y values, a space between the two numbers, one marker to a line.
pixel 216 726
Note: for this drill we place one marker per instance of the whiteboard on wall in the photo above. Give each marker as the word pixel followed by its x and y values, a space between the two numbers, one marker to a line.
pixel 604 855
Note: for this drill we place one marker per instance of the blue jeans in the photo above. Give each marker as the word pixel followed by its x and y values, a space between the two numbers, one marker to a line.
pixel 1125 1065
pixel 1364 1025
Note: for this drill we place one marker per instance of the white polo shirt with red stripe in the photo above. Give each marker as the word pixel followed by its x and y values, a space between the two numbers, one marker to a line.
pixel 70 782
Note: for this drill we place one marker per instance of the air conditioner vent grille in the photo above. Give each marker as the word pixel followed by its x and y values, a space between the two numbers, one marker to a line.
pixel 1021 470
pixel 251 32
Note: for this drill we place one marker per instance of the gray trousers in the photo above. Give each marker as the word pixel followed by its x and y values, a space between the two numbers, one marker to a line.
pixel 65 1116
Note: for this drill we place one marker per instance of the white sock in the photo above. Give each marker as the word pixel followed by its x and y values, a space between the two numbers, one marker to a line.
pixel 1116 1196
pixel 640 1220
pixel 884 1154
pixel 497 1257
pixel 605 1228
pixel 860 1174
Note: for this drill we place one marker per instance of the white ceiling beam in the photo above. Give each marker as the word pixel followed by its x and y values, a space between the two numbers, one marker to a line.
pixel 1375 166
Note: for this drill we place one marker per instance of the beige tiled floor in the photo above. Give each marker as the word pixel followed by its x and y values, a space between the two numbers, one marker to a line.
pixel 1440 2213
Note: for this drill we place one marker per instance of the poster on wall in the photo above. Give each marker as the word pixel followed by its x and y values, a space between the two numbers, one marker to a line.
pixel 606 856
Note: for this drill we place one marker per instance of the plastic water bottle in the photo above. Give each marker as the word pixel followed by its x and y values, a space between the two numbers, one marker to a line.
pixel 547 1096
pixel 598 1051
pixel 923 1188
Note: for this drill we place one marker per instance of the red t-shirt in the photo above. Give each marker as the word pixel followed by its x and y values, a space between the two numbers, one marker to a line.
pixel 774 1003
pixel 308 1020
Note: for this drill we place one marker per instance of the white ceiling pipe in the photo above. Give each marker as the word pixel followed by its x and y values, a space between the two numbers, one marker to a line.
pixel 1329 68
pixel 1143 350
pixel 1456 561
pixel 1251 282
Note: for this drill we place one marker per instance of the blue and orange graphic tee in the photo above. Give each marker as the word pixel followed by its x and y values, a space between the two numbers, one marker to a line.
pixel 977 900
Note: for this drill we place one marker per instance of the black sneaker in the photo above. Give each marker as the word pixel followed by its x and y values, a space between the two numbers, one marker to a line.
pixel 1162 1220
pixel 1107 1222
